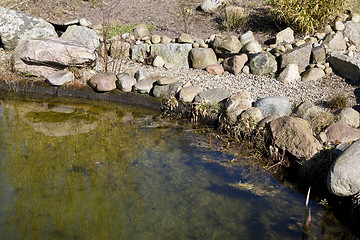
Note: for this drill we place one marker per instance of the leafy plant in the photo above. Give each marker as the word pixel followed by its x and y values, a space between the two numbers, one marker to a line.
pixel 307 15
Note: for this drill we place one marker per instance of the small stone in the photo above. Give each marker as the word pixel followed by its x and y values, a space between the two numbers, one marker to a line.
pixel 252 47
pixel 141 30
pixel 285 36
pixel 155 39
pixel 141 75
pixel 187 94
pixel 246 69
pixel 167 80
pixel 60 77
pixel 103 82
pixel 300 42
pixel 290 74
pixel 328 70
pixel 247 37
pixel 313 74
pixel 339 26
pixel 186 38
pixel 84 22
pixel 125 82
pixel 195 45
pixel 165 39
pixel 158 61
pixel 215 69
pixel 235 64
pixel 144 86
pixel 321 66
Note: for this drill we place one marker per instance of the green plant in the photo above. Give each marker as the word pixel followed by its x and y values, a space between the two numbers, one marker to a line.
pixel 235 18
pixel 338 102
pixel 307 15
pixel 186 12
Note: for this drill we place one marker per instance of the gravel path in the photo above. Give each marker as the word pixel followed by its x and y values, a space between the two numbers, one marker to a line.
pixel 261 86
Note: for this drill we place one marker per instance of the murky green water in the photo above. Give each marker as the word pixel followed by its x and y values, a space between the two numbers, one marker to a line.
pixel 91 171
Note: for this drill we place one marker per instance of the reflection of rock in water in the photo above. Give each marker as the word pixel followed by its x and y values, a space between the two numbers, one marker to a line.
pixel 57 120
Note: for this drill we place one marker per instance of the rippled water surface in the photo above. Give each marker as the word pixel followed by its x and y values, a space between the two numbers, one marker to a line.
pixel 105 171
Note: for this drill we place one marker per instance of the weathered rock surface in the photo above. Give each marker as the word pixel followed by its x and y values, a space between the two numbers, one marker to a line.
pixel 340 132
pixel 274 106
pixel 345 66
pixel 167 80
pixel 312 74
pixel 212 96
pixel 335 41
pixel 144 86
pixel 236 104
pixel 252 47
pixel 211 5
pixel 103 82
pixel 251 117
pixel 285 36
pixel 42 57
pixel 185 38
pixel 344 175
pixel 225 45
pixel 300 56
pixel 167 91
pixel 141 30
pixel 125 82
pixel 187 94
pixel 235 63
pixel 202 57
pixel 60 77
pixel 246 37
pixel 295 136
pixel 85 36
pixel 263 63
pixel 138 52
pixel 174 53
pixel 215 69
pixel 352 32
pixel 290 74
pixel 348 116
pixel 318 54
pixel 16 26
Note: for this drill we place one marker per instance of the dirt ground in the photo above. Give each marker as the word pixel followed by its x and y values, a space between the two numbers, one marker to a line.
pixel 164 15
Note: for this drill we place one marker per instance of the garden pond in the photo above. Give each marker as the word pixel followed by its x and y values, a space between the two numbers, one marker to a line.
pixel 80 169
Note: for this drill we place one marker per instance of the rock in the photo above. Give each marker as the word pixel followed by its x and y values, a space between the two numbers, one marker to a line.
pixel 103 82
pixel 211 5
pixel 348 116
pixel 158 61
pixel 355 17
pixel 165 40
pixel 155 39
pixel 344 174
pixel 236 104
pixel 274 106
pixel 85 36
pixel 16 26
pixel 202 57
pixel 215 69
pixel 185 38
pixel 299 56
pixel 141 74
pixel 285 36
pixel 335 41
pixel 263 63
pixel 313 74
pixel 290 74
pixel 167 91
pixel 318 54
pixel 125 82
pixel 187 94
pixel 252 47
pixel 141 30
pixel 42 57
pixel 144 86
pixel 352 32
pixel 139 52
pixel 340 132
pixel 175 53
pixel 345 66
pixel 60 77
pixel 339 26
pixel 250 117
pixel 295 136
pixel 84 22
pixel 266 120
pixel 212 96
pixel 235 64
pixel 120 49
pixel 167 80
pixel 246 69
pixel 247 37
pixel 226 45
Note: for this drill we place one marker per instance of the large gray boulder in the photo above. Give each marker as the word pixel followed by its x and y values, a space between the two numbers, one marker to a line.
pixel 352 32
pixel 264 63
pixel 41 57
pixel 225 45
pixel 300 56
pixel 295 136
pixel 212 96
pixel 344 175
pixel 85 36
pixel 202 57
pixel 274 106
pixel 174 53
pixel 345 66
pixel 16 26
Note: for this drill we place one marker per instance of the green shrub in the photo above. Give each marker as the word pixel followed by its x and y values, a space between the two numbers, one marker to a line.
pixel 307 15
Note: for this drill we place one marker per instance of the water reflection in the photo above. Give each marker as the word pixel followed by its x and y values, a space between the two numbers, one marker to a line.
pixel 112 172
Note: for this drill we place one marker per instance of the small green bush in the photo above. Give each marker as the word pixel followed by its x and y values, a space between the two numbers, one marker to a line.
pixel 307 16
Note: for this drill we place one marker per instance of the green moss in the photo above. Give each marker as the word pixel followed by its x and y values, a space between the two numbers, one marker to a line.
pixel 118 29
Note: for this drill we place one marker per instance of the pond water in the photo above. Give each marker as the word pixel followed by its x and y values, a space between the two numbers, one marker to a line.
pixel 85 170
